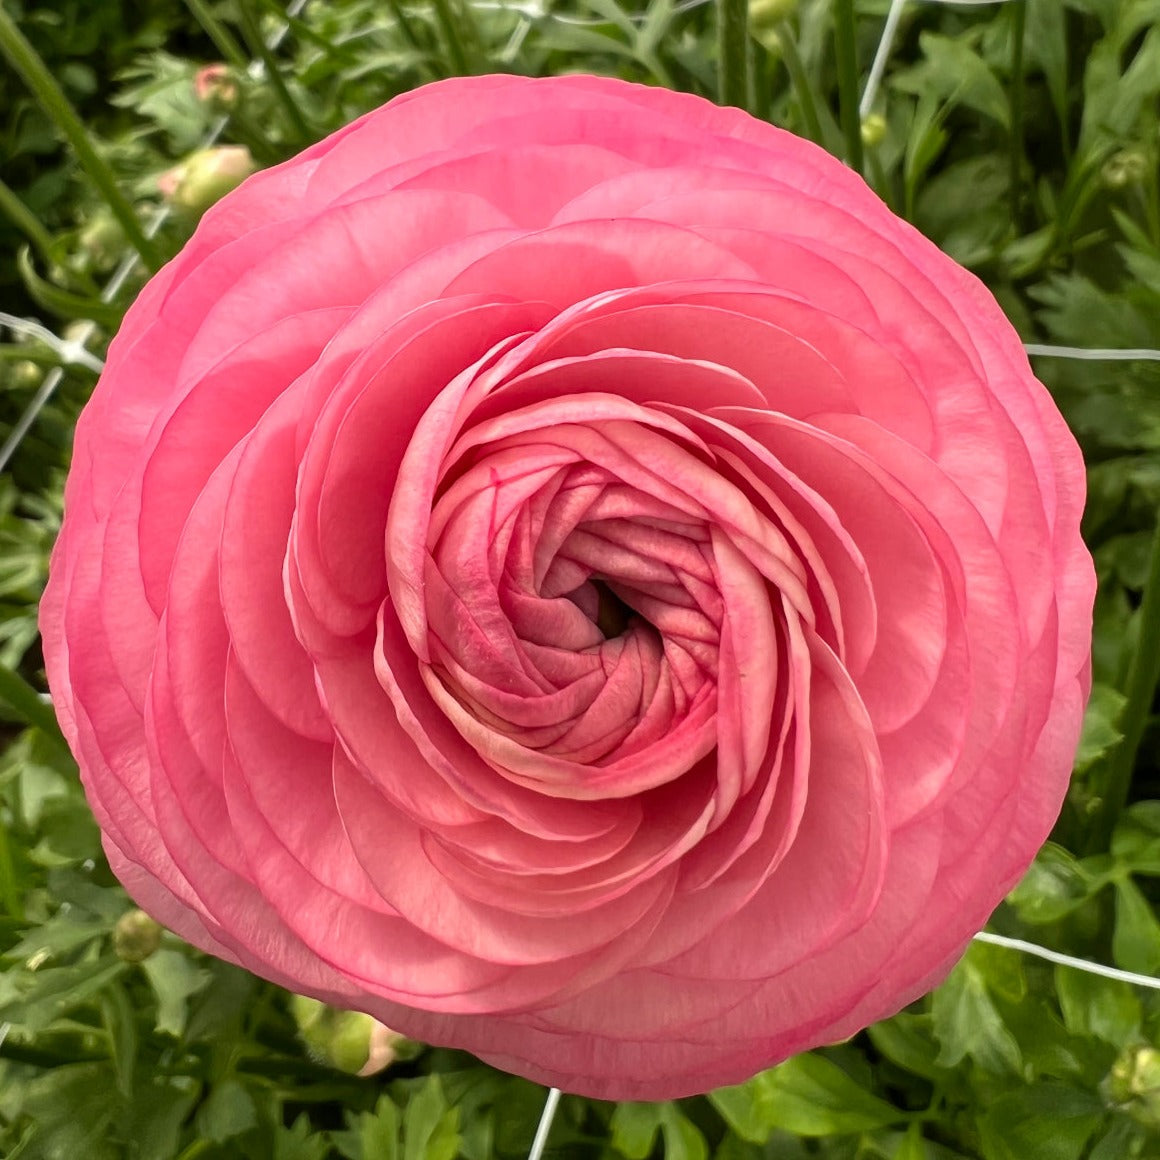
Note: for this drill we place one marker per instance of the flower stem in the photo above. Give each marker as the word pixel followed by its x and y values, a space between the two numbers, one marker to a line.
pixel 846 53
pixel 733 53
pixel 223 39
pixel 49 95
pixel 277 81
pixel 26 221
pixel 1140 690
pixel 1015 99
pixel 800 81
pixel 20 696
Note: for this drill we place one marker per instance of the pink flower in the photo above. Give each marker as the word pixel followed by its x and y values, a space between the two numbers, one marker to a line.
pixel 559 567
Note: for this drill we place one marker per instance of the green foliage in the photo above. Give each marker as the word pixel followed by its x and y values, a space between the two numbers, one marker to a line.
pixel 1030 152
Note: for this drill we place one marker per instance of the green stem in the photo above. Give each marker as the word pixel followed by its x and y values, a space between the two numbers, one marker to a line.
pixel 846 54
pixel 733 53
pixel 1140 688
pixel 801 81
pixel 9 887
pixel 231 51
pixel 456 52
pixel 19 695
pixel 261 50
pixel 23 58
pixel 25 221
pixel 1018 30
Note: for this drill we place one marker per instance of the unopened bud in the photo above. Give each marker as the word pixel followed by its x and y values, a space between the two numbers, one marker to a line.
pixel 1127 167
pixel 101 241
pixel 765 18
pixel 1133 1084
pixel 136 936
pixel 348 1041
pixel 206 176
pixel 213 84
pixel 873 130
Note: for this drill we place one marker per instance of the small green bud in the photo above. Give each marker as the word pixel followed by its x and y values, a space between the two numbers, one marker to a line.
pixel 873 130
pixel 1127 167
pixel 136 936
pixel 1134 1084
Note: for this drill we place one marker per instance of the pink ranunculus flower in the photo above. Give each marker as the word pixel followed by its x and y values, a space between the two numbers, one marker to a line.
pixel 559 567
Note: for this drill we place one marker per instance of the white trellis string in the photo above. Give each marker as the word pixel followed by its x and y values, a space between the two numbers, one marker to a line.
pixel 1091 354
pixel 1030 948
pixel 545 1124
pixel 70 352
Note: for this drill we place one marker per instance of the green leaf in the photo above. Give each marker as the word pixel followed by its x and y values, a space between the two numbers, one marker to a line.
pixel 371 1135
pixel 1049 1121
pixel 430 1126
pixel 811 1096
pixel 228 1112
pixel 121 1028
pixel 1100 732
pixel 1136 938
pixel 1055 884
pixel 55 992
pixel 175 979
pixel 966 1022
pixel 72 1108
pixel 1136 840
pixel 911 1146
pixel 908 1040
pixel 1102 1008
pixel 635 1127
pixel 958 75
pixel 298 1142
pixel 152 1123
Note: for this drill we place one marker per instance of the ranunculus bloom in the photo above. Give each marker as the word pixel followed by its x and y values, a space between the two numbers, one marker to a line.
pixel 560 567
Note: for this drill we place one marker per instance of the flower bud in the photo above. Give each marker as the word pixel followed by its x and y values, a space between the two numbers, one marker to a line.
pixel 136 936
pixel 1125 167
pixel 214 85
pixel 101 241
pixel 348 1041
pixel 205 176
pixel 1134 1084
pixel 873 130
pixel 765 16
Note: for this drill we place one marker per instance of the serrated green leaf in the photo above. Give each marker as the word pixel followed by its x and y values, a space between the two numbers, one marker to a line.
pixel 151 1126
pixel 52 993
pixel 1048 1121
pixel 298 1142
pixel 908 1040
pixel 911 1146
pixel 1055 884
pixel 967 1023
pixel 1102 1008
pixel 175 979
pixel 634 1128
pixel 1136 937
pixel 811 1096
pixel 956 73
pixel 1100 726
pixel 683 1139
pixel 430 1126
pixel 371 1135
pixel 1136 840
pixel 228 1112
